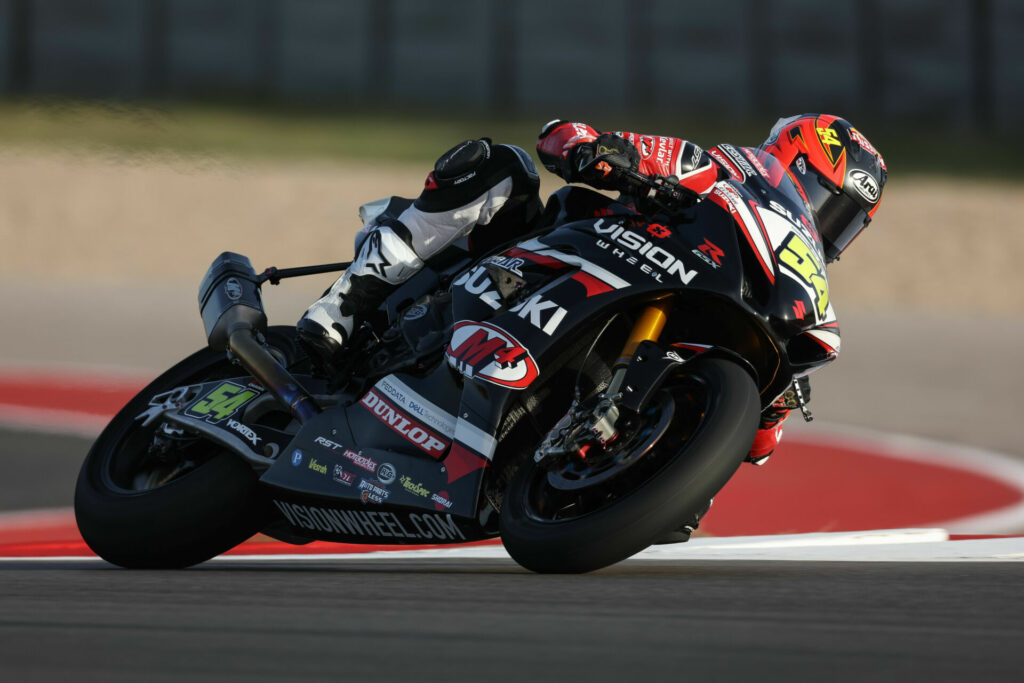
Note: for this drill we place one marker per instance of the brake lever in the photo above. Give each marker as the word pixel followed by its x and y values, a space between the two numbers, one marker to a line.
pixel 665 196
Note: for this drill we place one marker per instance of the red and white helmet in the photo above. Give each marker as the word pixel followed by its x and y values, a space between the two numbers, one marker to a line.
pixel 839 172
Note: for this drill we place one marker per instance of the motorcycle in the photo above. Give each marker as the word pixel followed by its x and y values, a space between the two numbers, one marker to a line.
pixel 581 393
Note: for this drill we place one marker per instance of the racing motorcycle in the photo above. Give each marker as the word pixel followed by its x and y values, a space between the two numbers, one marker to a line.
pixel 581 393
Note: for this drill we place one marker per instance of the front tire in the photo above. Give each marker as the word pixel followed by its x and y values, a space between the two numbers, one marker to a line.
pixel 136 513
pixel 546 528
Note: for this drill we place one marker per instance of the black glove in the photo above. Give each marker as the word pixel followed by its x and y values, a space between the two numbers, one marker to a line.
pixel 596 163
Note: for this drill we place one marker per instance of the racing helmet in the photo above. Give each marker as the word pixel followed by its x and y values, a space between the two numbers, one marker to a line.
pixel 836 169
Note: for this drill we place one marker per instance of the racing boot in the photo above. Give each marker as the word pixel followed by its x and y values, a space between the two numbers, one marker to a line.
pixel 473 184
pixel 384 262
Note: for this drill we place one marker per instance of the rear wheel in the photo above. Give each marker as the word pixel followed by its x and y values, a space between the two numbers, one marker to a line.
pixel 584 513
pixel 153 497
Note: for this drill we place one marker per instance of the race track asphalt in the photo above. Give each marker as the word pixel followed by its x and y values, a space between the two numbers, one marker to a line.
pixel 443 620
pixel 490 620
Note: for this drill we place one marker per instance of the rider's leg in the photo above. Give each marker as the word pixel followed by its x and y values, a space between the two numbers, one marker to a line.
pixel 473 184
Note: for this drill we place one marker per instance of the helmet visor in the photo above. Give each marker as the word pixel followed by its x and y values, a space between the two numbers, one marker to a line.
pixel 840 219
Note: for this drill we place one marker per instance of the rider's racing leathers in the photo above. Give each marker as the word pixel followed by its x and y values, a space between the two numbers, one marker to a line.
pixel 490 194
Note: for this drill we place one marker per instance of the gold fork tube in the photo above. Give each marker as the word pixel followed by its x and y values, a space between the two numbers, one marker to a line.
pixel 648 327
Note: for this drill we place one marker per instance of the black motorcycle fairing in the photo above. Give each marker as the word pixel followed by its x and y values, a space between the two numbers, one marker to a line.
pixel 236 413
pixel 507 343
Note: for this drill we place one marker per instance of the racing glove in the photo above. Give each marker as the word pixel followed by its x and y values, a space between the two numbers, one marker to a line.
pixel 579 154
pixel 597 163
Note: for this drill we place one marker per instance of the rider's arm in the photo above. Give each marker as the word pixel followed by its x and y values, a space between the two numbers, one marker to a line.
pixel 658 155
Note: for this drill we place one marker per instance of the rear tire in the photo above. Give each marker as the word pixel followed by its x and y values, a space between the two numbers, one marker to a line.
pixel 189 519
pixel 619 517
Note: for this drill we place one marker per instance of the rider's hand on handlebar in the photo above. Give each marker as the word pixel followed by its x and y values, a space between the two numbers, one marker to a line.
pixel 601 163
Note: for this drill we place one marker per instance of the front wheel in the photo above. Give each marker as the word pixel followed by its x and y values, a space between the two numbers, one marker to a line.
pixel 141 506
pixel 591 512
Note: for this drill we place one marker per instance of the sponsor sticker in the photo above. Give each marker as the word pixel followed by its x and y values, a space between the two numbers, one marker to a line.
pixel 386 473
pixel 441 500
pixel 646 146
pixel 296 457
pixel 402 424
pixel 398 392
pixel 512 264
pixel 734 172
pixel 414 487
pixel 317 466
pixel 418 526
pixel 739 160
pixel 415 312
pixel 755 162
pixel 372 491
pixel 233 288
pixel 710 253
pixel 487 352
pixel 368 464
pixel 641 252
pixel 544 314
pixel 245 431
pixel 343 477
pixel 372 255
pixel 658 230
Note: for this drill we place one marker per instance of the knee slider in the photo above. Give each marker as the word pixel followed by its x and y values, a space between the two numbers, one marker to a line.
pixel 459 163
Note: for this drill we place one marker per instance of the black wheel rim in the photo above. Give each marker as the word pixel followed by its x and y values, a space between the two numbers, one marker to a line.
pixel 688 401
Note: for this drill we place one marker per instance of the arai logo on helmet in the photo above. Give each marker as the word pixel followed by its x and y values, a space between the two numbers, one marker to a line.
pixel 233 288
pixel 483 351
pixel 867 186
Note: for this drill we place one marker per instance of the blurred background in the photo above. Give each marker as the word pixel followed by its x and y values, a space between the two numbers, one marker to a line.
pixel 140 138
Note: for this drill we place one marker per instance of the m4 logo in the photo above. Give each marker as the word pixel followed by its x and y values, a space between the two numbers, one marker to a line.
pixel 799 258
pixel 487 352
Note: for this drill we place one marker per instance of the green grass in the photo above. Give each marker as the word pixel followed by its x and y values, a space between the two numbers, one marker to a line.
pixel 237 130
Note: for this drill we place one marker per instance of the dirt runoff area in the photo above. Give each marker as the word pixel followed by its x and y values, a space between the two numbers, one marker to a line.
pixel 936 244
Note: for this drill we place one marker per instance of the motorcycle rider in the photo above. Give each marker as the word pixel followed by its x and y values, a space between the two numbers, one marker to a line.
pixel 490 194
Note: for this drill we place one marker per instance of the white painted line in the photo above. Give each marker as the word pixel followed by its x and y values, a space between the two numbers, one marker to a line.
pixel 888 545
pixel 894 545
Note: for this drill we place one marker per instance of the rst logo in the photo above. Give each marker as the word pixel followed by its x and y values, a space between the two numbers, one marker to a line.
pixel 482 351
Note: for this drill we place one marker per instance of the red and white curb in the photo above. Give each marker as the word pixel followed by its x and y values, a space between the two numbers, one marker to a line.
pixel 822 485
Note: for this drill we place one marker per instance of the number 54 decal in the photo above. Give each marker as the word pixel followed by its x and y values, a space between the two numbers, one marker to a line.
pixel 222 402
pixel 804 263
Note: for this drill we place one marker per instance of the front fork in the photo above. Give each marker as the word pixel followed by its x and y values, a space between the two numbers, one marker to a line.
pixel 648 327
pixel 601 424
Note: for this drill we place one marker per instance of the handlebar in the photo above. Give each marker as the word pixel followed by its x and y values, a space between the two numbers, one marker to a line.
pixel 662 194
